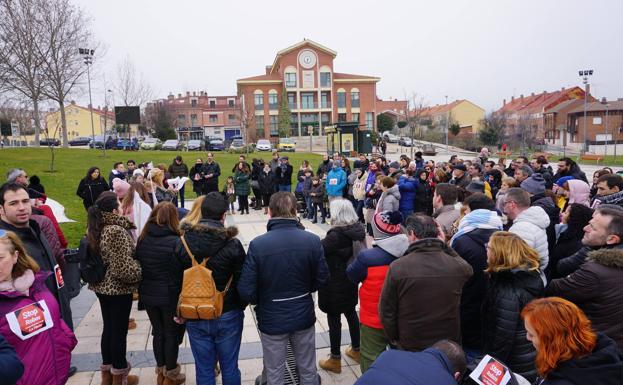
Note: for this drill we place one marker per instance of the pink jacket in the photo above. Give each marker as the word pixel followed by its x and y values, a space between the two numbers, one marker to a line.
pixel 579 192
pixel 33 326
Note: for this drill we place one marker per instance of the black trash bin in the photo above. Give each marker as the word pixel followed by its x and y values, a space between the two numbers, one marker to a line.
pixel 71 272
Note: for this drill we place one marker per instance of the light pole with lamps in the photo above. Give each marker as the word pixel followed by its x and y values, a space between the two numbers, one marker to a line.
pixel 584 74
pixel 88 60
pixel 604 101
pixel 447 125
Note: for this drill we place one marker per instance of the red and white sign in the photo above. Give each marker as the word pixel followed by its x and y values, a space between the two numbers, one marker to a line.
pixel 30 320
pixel 58 274
pixel 491 372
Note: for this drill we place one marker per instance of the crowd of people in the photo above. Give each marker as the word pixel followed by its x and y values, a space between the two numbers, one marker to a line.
pixel 447 261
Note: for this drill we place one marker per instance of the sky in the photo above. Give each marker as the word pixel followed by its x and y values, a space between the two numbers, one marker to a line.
pixel 481 50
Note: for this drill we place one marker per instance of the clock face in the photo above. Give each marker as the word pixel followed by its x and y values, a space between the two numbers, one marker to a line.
pixel 307 59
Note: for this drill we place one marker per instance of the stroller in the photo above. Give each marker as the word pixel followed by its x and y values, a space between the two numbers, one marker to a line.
pixel 301 206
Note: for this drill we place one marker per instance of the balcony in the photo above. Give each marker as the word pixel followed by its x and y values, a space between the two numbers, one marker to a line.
pixel 259 107
pixel 292 106
pixel 273 106
pixel 290 84
pixel 309 105
pixel 325 104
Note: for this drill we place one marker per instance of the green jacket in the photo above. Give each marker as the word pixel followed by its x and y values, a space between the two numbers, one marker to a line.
pixel 241 183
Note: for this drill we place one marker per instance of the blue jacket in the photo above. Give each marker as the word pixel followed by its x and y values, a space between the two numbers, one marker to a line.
pixel 338 176
pixel 406 186
pixel 283 267
pixel 398 367
pixel 11 368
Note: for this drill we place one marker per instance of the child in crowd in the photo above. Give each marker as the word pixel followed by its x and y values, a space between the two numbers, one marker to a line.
pixel 229 191
pixel 507 183
pixel 317 195
pixel 307 183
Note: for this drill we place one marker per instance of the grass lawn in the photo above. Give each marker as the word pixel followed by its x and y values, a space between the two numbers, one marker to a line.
pixel 71 165
pixel 609 161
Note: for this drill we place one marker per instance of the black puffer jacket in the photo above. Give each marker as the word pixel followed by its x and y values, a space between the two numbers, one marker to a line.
pixel 471 247
pixel 90 189
pixel 504 335
pixel 604 366
pixel 209 239
pixel 340 294
pixel 267 182
pixel 553 212
pixel 159 254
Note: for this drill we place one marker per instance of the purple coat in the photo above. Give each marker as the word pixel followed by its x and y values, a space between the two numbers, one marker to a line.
pixel 46 355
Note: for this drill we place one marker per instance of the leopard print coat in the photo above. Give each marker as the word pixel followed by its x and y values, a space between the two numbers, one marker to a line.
pixel 123 272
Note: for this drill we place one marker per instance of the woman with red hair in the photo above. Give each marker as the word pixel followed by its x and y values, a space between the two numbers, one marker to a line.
pixel 569 352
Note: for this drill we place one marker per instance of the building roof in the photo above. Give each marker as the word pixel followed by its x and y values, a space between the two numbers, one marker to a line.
pixel 615 105
pixel 300 44
pixel 438 109
pixel 110 113
pixel 339 77
pixel 270 78
pixel 542 101
pixel 564 105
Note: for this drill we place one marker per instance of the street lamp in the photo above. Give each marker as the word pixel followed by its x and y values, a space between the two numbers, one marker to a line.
pixel 88 60
pixel 447 125
pixel 584 74
pixel 605 103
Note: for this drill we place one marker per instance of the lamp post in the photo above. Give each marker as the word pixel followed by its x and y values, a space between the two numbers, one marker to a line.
pixel 88 60
pixel 447 125
pixel 605 103
pixel 584 74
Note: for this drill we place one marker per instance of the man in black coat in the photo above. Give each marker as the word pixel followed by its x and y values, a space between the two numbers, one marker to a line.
pixel 283 174
pixel 118 171
pixel 210 172
pixel 568 167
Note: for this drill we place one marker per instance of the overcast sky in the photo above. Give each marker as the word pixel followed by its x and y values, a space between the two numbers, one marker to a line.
pixel 483 51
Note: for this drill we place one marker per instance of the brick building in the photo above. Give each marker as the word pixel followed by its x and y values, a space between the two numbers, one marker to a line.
pixel 396 109
pixel 604 124
pixel 316 95
pixel 198 115
pixel 526 115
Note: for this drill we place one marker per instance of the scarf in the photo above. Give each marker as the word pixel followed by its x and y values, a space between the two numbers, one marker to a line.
pixel 478 219
pixel 20 284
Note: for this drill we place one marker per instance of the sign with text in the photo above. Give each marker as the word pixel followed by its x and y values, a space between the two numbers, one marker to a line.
pixel 30 320
pixel 491 372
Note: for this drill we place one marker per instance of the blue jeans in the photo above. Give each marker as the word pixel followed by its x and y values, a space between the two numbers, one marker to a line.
pixel 308 205
pixel 285 187
pixel 220 338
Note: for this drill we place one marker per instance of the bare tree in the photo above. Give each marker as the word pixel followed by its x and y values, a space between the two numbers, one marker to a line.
pixel 66 28
pixel 415 107
pixel 20 64
pixel 130 85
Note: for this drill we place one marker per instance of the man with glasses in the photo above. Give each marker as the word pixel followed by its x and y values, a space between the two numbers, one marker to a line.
pixel 210 172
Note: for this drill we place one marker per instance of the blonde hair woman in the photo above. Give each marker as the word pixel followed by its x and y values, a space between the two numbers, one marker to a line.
pixel 194 215
pixel 160 193
pixel 514 280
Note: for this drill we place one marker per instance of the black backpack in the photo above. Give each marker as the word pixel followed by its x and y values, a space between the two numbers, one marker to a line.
pixel 92 269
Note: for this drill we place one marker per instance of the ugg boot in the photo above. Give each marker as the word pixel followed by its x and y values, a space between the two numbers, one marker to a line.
pixel 174 377
pixel 331 364
pixel 160 373
pixel 123 377
pixel 106 376
pixel 352 353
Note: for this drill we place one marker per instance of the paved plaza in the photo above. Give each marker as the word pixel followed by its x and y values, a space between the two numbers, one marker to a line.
pixel 87 318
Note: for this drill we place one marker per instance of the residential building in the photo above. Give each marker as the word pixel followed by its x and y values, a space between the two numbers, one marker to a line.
pixel 604 125
pixel 556 122
pixel 316 95
pixel 199 115
pixel 463 112
pixel 525 116
pixel 396 109
pixel 78 120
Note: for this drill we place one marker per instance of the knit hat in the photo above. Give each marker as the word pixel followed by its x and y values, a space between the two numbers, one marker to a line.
pixel 120 187
pixel 534 185
pixel 395 165
pixel 138 171
pixel 561 181
pixel 386 224
pixel 476 186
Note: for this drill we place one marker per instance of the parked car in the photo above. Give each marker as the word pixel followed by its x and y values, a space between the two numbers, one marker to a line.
pixel 80 141
pixel 195 145
pixel 111 142
pixel 215 145
pixel 172 145
pixel 429 149
pixel 390 138
pixel 286 144
pixel 405 142
pixel 151 144
pixel 49 142
pixel 236 144
pixel 126 144
pixel 264 145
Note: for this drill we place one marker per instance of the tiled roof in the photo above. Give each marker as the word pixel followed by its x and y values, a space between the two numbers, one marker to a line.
pixel 439 109
pixel 566 104
pixel 542 101
pixel 598 106
pixel 274 76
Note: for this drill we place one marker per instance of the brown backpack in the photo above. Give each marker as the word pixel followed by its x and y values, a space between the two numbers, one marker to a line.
pixel 199 298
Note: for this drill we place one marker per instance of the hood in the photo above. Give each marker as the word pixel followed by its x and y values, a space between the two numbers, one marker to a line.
pixel 542 200
pixel 535 215
pixel 430 244
pixel 394 191
pixel 356 231
pixel 603 366
pixel 279 223
pixel 158 231
pixel 114 219
pixel 207 237
pixel 480 236
pixel 528 280
pixel 579 192
pixel 25 283
pixel 612 257
pixel 396 245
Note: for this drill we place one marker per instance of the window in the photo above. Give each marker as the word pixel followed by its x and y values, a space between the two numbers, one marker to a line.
pixel 259 126
pixel 292 101
pixel 217 131
pixel 370 120
pixel 354 99
pixel 341 99
pixel 324 100
pixel 273 104
pixel 231 118
pixel 325 79
pixel 355 117
pixel 193 120
pixel 307 100
pixel 294 122
pixel 290 79
pixel 341 117
pixel 181 120
pixel 193 102
pixel 597 120
pixel 231 103
pixel 212 103
pixel 259 101
pixel 213 118
pixel 274 125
